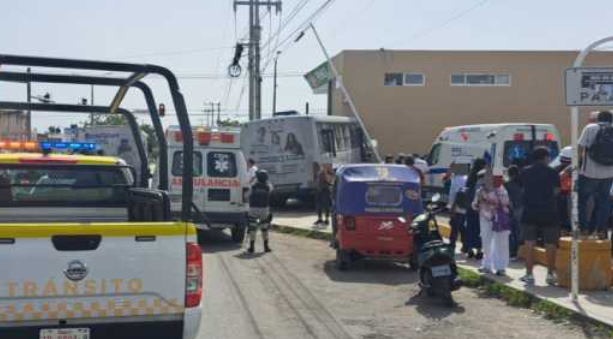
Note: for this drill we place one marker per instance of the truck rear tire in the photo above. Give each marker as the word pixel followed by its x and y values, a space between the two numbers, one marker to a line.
pixel 238 234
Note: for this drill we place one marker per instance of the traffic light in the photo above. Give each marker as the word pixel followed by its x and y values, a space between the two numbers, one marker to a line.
pixel 162 110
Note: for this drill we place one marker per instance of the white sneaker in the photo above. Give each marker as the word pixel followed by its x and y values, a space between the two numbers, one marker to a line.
pixel 528 279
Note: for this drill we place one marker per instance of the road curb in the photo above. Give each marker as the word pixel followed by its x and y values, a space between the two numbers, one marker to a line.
pixel 513 296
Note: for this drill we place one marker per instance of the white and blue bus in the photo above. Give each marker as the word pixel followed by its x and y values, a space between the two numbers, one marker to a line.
pixel 292 148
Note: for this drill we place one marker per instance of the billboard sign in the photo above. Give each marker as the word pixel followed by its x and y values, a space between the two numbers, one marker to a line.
pixel 319 78
pixel 589 86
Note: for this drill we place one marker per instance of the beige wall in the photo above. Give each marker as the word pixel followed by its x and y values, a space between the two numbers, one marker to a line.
pixel 407 119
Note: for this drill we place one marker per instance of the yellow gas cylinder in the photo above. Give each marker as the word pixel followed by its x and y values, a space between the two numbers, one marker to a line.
pixel 594 264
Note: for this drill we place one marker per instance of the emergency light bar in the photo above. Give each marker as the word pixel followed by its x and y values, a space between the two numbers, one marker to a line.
pixel 75 146
pixel 206 137
pixel 18 145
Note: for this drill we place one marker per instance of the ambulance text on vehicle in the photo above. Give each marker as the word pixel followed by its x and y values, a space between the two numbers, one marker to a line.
pixel 220 177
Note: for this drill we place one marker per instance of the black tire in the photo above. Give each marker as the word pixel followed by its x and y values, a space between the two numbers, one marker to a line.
pixel 443 289
pixel 342 260
pixel 238 234
pixel 413 263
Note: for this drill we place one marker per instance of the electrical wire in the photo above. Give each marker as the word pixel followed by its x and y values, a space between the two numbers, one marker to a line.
pixel 445 23
pixel 302 27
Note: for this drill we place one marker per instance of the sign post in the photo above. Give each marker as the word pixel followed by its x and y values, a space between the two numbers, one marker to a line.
pixel 585 86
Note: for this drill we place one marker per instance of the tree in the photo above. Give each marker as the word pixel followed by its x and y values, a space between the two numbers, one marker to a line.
pixel 106 120
pixel 228 123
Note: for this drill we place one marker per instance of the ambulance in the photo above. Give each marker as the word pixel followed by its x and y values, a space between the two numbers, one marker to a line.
pixel 505 144
pixel 220 178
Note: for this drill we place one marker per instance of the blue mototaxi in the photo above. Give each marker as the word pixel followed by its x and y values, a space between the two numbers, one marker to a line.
pixel 373 206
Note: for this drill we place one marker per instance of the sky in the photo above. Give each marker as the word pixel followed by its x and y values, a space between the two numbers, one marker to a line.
pixel 195 39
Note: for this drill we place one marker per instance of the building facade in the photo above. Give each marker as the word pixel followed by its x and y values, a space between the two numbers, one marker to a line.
pixel 13 125
pixel 407 97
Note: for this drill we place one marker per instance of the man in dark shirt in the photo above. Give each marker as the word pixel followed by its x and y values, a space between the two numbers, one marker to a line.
pixel 541 186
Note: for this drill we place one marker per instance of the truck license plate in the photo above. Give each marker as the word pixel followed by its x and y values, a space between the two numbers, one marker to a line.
pixel 65 333
pixel 441 271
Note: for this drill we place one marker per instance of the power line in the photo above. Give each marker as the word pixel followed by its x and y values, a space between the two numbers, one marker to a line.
pixel 302 27
pixel 445 23
pixel 174 53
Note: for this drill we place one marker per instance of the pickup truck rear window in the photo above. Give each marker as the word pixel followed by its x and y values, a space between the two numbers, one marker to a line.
pixel 53 185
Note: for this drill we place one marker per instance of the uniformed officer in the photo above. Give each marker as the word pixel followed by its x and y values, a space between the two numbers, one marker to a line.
pixel 259 210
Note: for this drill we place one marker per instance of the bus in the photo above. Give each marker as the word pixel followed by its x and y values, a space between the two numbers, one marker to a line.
pixel 293 148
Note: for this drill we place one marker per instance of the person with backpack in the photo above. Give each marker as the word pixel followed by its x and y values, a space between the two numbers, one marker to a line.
pixel 472 243
pixel 259 210
pixel 595 175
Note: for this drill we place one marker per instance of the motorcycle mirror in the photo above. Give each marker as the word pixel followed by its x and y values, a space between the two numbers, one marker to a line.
pixel 436 198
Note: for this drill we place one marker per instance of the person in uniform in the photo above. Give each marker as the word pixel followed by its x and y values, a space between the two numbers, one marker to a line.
pixel 259 210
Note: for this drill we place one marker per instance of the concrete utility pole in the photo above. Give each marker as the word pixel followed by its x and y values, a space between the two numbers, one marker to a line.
pixel 29 114
pixel 274 86
pixel 255 35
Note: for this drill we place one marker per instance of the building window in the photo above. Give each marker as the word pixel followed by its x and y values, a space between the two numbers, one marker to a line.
pixel 404 79
pixel 393 79
pixel 480 79
pixel 414 79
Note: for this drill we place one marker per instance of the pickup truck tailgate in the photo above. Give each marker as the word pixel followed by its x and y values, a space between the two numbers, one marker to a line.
pixel 92 270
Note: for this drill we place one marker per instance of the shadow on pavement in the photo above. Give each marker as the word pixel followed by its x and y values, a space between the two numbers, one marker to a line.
pixel 216 241
pixel 372 272
pixel 432 307
pixel 248 256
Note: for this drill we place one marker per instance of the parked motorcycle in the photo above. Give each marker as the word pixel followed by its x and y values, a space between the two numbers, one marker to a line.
pixel 438 273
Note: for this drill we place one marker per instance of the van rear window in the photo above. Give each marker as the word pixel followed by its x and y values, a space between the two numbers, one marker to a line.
pixel 383 195
pixel 221 165
pixel 518 152
pixel 177 164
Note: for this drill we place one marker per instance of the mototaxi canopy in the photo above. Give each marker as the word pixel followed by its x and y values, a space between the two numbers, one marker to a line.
pixel 377 188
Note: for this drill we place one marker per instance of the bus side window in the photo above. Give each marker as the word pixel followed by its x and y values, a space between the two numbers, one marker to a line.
pixel 328 142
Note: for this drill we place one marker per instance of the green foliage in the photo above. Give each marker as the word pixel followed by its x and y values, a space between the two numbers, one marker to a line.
pixel 228 123
pixel 105 120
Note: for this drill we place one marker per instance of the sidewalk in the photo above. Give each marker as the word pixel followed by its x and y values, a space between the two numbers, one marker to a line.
pixel 594 305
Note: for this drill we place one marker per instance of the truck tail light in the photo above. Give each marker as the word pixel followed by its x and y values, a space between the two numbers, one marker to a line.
pixel 349 223
pixel 193 276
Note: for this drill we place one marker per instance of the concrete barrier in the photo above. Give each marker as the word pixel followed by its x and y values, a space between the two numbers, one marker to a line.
pixel 594 257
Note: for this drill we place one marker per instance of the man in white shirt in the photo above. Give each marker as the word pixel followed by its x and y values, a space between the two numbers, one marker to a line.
pixel 252 170
pixel 596 175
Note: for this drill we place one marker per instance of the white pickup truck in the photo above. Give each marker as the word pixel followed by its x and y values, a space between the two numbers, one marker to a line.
pixel 86 255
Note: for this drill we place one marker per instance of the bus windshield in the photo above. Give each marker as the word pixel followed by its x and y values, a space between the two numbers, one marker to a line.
pixel 71 186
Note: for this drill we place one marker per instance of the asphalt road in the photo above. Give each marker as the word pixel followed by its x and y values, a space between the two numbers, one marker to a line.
pixel 295 293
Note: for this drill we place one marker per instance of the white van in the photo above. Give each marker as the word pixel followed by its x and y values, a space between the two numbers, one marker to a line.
pixel 220 177
pixel 291 148
pixel 506 144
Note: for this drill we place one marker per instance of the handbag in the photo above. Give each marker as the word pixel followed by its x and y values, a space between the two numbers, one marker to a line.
pixel 501 221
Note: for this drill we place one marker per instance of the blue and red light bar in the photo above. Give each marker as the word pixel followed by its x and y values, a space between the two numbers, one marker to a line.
pixel 75 146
